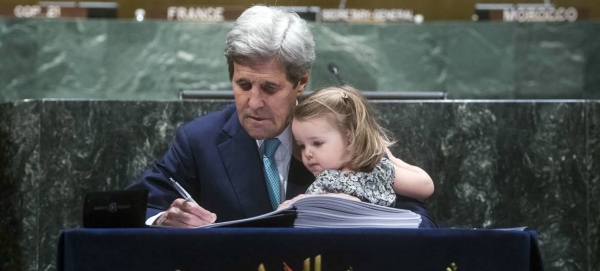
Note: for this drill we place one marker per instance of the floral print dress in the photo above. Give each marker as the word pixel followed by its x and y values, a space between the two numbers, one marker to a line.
pixel 374 187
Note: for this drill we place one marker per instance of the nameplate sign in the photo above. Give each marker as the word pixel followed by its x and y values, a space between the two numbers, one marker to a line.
pixel 370 15
pixel 523 13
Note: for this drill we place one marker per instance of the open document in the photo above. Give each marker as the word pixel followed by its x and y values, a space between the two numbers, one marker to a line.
pixel 323 211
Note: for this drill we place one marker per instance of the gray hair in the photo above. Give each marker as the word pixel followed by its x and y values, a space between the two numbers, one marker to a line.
pixel 266 32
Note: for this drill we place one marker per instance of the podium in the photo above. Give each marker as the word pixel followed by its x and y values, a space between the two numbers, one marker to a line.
pixel 339 249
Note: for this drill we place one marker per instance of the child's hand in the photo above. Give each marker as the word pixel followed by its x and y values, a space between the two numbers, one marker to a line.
pixel 284 204
pixel 410 181
pixel 288 202
pixel 344 196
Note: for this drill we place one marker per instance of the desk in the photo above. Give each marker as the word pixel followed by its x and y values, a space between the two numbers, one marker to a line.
pixel 246 248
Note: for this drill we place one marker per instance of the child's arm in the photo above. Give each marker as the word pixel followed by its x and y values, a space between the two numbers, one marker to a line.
pixel 410 181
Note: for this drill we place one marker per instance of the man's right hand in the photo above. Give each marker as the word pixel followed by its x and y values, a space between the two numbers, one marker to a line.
pixel 185 214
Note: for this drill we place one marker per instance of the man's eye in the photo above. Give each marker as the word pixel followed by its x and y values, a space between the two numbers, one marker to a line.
pixel 270 88
pixel 245 86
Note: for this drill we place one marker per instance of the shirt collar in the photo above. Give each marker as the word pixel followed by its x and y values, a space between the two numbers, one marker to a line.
pixel 285 137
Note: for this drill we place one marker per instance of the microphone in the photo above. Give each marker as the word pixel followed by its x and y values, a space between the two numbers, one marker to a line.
pixel 334 69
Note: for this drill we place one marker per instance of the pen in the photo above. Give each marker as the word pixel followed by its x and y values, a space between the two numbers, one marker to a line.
pixel 181 191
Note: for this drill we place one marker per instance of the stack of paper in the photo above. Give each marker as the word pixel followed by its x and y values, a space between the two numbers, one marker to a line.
pixel 334 212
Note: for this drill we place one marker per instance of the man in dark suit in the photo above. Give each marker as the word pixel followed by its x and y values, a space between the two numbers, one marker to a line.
pixel 217 157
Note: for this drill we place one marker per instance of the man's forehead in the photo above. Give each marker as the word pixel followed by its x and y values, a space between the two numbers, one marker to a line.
pixel 271 63
pixel 244 60
pixel 259 71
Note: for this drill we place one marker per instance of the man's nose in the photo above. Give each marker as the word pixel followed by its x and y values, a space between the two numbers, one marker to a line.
pixel 255 101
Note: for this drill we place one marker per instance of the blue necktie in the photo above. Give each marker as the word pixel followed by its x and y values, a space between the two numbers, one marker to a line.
pixel 271 173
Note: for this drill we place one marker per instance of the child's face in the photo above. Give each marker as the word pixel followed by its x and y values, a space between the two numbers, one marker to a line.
pixel 323 146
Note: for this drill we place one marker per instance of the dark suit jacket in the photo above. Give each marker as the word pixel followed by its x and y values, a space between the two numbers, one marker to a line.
pixel 218 163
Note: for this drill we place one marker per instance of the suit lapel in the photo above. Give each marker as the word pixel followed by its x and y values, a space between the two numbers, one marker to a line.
pixel 244 167
pixel 299 178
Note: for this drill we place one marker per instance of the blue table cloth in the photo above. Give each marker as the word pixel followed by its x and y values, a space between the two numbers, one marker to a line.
pixel 340 249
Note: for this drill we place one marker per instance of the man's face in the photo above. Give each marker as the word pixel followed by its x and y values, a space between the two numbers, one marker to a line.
pixel 264 98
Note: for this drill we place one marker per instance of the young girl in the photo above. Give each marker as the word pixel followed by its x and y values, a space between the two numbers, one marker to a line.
pixel 343 145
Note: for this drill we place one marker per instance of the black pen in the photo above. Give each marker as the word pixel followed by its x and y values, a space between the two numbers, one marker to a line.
pixel 181 191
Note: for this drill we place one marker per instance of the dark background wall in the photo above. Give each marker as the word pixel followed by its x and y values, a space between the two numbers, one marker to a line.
pixel 495 164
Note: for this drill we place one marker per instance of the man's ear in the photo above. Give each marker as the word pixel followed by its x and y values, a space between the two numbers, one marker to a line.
pixel 302 83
